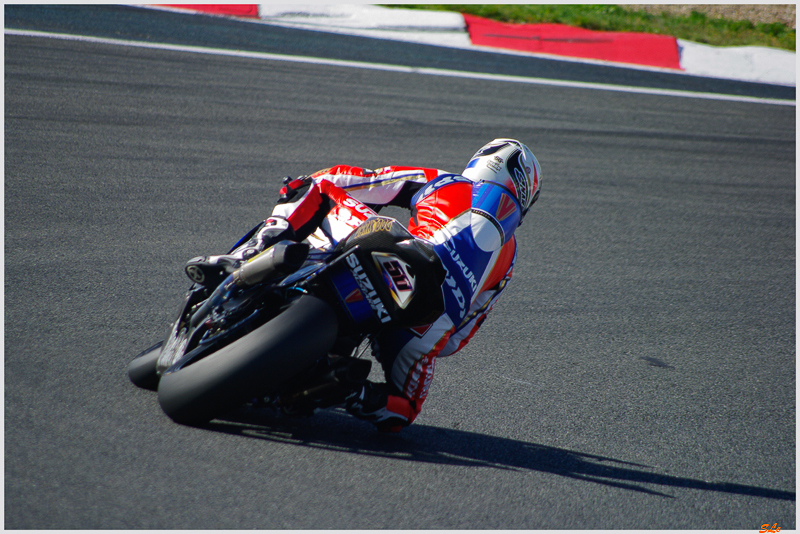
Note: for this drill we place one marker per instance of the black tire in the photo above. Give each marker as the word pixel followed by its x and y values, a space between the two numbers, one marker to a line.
pixel 142 370
pixel 250 367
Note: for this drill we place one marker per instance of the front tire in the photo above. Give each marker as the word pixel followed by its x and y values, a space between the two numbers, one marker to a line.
pixel 250 367
pixel 142 370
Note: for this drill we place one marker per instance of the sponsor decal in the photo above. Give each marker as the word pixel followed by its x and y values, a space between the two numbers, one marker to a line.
pixel 494 166
pixel 426 384
pixel 398 277
pixel 355 296
pixel 439 183
pixel 367 289
pixel 453 285
pixel 464 269
pixel 352 297
pixel 521 184
pixel 378 224
pixel 360 207
pixel 520 178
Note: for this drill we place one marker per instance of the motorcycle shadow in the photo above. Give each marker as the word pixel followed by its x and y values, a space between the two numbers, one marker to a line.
pixel 336 430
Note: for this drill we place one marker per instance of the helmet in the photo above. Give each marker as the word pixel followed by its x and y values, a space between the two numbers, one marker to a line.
pixel 511 164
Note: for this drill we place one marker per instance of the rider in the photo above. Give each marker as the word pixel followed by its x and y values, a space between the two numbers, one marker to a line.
pixel 469 218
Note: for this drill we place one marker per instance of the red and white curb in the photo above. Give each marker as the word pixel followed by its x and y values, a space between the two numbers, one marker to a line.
pixel 554 41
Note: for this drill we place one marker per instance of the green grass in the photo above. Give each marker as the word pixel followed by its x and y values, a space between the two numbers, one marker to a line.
pixel 697 27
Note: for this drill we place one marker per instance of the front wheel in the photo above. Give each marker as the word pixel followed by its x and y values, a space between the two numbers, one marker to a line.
pixel 250 367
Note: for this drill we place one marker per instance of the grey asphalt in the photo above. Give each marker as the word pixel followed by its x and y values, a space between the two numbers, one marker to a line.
pixel 638 373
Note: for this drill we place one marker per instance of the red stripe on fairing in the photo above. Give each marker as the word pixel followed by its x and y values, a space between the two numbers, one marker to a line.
pixel 560 39
pixel 354 296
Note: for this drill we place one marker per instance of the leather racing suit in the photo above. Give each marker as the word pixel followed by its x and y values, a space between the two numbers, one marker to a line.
pixel 471 226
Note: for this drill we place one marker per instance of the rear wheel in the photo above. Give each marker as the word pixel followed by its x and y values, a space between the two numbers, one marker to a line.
pixel 253 366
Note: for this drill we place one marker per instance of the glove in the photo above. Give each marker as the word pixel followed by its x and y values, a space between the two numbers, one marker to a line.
pixel 293 188
pixel 373 402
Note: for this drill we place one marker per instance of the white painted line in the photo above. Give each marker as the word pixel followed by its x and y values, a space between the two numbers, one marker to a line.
pixel 404 69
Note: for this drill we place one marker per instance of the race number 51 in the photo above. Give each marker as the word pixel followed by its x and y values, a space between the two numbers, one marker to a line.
pixel 766 528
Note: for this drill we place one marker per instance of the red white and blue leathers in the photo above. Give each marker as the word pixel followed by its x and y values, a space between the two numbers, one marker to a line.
pixel 471 226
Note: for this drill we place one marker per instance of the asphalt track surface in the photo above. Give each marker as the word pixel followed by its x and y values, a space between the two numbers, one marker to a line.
pixel 638 373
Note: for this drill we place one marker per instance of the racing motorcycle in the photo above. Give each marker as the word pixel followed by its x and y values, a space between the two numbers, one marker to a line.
pixel 286 328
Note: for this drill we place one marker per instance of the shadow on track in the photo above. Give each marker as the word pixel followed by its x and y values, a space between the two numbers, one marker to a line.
pixel 335 430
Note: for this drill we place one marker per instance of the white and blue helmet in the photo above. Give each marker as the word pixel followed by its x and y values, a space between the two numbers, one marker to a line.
pixel 512 165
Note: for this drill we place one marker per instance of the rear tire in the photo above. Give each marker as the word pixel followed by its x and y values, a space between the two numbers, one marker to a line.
pixel 250 367
pixel 142 370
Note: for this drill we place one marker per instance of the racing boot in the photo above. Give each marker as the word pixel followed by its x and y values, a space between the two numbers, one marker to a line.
pixel 382 405
pixel 210 271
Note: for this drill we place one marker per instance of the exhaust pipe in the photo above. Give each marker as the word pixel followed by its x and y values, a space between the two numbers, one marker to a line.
pixel 282 258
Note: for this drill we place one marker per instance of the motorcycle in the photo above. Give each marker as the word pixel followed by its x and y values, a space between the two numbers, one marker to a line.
pixel 286 328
